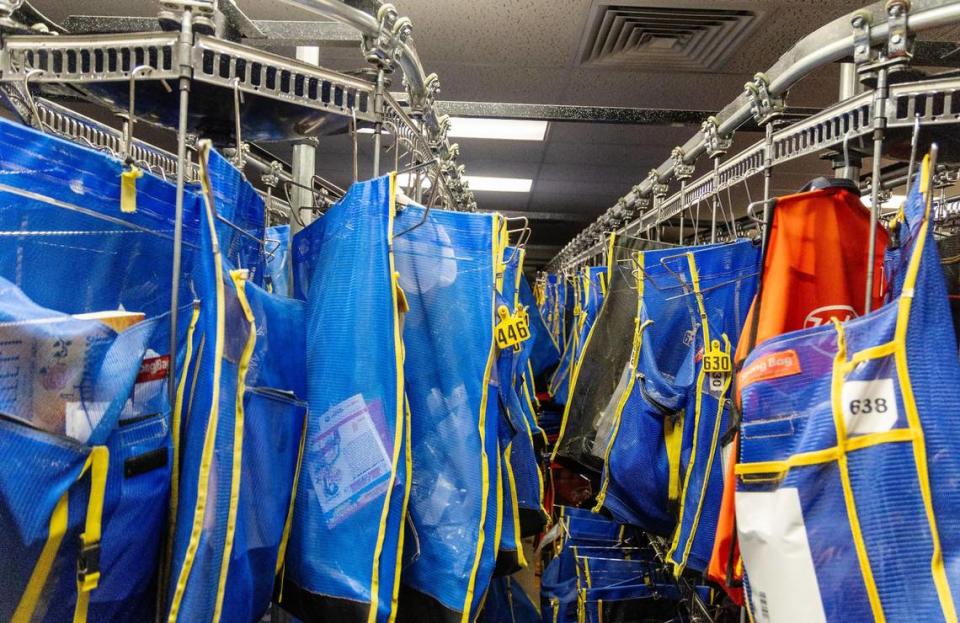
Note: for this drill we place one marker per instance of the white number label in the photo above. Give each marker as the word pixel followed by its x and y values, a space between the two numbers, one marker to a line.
pixel 869 406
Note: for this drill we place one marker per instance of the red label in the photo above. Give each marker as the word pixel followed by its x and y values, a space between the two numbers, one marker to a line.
pixel 772 366
pixel 154 369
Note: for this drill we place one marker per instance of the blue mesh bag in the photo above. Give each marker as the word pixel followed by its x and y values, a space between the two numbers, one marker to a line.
pixel 723 281
pixel 692 305
pixel 848 488
pixel 543 350
pixel 240 427
pixel 506 602
pixel 447 269
pixel 589 295
pixel 277 248
pixel 344 556
pixel 66 517
pixel 63 202
pixel 520 454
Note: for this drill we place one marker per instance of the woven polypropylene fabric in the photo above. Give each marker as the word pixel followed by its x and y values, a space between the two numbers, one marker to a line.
pixel 447 269
pixel 344 547
pixel 794 413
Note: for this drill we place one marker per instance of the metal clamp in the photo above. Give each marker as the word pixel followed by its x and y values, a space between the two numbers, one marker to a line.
pixel 715 145
pixel 897 34
pixel 764 106
pixel 439 138
pixel 861 38
pixel 641 205
pixel 681 170
pixel 381 49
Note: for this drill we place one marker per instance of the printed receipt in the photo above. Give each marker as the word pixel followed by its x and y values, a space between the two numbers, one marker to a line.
pixel 348 459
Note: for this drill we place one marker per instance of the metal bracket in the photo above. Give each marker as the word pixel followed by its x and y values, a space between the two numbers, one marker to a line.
pixel 440 137
pixel 764 106
pixel 897 34
pixel 714 144
pixel 862 53
pixel 421 102
pixel 681 170
pixel 381 49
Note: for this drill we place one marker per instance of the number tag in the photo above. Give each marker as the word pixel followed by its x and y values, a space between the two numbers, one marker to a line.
pixel 869 406
pixel 716 360
pixel 511 330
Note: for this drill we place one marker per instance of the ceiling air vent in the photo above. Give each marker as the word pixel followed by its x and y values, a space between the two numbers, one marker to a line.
pixel 667 37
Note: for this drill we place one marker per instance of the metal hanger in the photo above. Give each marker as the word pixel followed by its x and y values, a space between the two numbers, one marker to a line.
pixel 426 208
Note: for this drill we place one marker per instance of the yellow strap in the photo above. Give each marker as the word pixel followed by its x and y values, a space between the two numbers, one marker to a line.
pixel 841 427
pixel 399 306
pixel 238 277
pixel 41 571
pixel 175 425
pixel 87 579
pixel 206 458
pixel 577 363
pixel 467 615
pixel 638 328
pixel 777 470
pixel 288 523
pixel 128 189
pixel 511 479
pixel 910 405
pixel 714 442
pixel 673 440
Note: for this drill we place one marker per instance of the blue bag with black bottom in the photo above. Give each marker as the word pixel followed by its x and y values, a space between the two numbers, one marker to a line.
pixel 240 426
pixel 344 556
pixel 447 270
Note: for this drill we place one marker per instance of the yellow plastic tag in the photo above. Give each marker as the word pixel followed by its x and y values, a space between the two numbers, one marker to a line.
pixel 511 330
pixel 128 189
pixel 716 360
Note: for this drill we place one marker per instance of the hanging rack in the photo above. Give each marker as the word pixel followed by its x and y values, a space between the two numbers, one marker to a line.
pixel 876 25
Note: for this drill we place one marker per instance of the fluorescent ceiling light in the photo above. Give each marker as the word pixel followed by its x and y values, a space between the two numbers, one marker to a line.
pixel 503 129
pixel 476 183
pixel 499 184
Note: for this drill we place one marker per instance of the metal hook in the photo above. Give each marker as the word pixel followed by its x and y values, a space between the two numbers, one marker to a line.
pixel 914 140
pixel 846 149
pixel 29 96
pixel 353 132
pixel 751 209
pixel 127 150
pixel 237 100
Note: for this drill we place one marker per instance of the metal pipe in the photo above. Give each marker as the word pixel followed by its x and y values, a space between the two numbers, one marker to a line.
pixel 303 164
pixel 184 47
pixel 767 175
pixel 879 125
pixel 367 24
pixel 716 198
pixel 828 44
pixel 184 58
pixel 378 127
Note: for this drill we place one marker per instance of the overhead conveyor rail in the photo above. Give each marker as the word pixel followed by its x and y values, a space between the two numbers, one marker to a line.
pixel 884 27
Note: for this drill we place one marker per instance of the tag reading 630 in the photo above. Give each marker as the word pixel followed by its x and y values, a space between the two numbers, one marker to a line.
pixel 716 360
